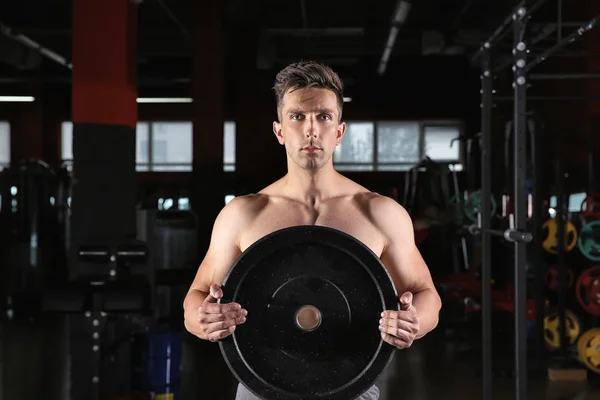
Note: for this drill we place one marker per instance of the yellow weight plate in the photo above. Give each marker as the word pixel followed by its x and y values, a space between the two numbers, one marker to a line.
pixel 551 328
pixel 588 348
pixel 550 243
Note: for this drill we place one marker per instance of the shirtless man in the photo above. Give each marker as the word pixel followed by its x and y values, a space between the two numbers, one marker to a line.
pixel 309 109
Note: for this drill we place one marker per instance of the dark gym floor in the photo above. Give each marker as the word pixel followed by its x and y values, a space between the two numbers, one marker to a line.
pixel 427 371
pixel 431 369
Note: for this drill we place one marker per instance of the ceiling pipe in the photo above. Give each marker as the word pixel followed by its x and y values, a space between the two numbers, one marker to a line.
pixel 32 44
pixel 400 15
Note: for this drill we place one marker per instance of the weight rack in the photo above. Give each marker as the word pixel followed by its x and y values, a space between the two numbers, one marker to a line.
pixel 518 20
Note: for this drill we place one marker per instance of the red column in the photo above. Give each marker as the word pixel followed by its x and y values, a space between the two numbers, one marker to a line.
pixel 104 61
pixel 104 114
pixel 26 128
pixel 208 108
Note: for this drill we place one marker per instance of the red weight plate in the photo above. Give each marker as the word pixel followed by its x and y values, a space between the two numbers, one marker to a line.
pixel 587 290
pixel 590 207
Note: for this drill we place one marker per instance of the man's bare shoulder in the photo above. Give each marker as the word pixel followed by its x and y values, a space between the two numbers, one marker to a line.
pixel 386 213
pixel 245 206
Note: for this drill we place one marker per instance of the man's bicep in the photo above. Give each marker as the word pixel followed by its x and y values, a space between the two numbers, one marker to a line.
pixel 223 250
pixel 407 268
pixel 401 256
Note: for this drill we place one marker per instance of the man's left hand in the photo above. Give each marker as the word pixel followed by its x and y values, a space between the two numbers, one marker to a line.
pixel 399 328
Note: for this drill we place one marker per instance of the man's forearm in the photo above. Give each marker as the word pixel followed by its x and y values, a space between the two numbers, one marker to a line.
pixel 428 305
pixel 193 300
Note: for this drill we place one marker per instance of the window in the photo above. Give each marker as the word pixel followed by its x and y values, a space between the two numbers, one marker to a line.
pixel 396 145
pixel 228 198
pixel 170 145
pixel 161 146
pixel 439 144
pixel 229 147
pixel 180 203
pixel 66 138
pixel 142 147
pixel 575 200
pixel 4 145
pixel 355 152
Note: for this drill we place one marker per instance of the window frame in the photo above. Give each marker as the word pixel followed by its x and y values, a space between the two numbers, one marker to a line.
pixel 375 164
pixel 3 164
pixel 148 166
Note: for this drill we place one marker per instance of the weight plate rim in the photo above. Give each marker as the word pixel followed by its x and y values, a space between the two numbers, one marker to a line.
pixel 580 242
pixel 569 227
pixel 582 343
pixel 569 314
pixel 322 234
pixel 578 294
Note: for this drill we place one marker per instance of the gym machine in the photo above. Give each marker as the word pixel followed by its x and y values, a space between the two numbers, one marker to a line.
pixel 116 298
pixel 518 20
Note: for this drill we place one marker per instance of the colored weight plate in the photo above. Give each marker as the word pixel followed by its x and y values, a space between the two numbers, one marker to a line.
pixel 589 240
pixel 590 207
pixel 550 243
pixel 472 206
pixel 552 277
pixel 588 349
pixel 587 290
pixel 314 296
pixel 551 328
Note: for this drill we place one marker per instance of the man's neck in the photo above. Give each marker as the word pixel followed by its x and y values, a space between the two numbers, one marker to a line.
pixel 311 187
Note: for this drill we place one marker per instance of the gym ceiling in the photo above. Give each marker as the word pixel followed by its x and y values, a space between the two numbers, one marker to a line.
pixel 350 35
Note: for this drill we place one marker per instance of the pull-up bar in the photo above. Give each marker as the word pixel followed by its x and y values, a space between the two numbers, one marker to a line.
pixel 559 77
pixel 501 31
pixel 520 11
pixel 566 41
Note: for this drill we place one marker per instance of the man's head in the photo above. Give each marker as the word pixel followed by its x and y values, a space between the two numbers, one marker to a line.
pixel 309 108
pixel 304 75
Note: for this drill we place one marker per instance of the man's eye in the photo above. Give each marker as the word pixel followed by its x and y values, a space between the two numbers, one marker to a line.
pixel 326 117
pixel 296 116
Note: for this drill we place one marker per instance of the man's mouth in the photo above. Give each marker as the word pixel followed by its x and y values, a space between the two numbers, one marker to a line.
pixel 311 148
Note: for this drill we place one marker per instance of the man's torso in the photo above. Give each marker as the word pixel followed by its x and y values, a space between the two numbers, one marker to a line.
pixel 349 214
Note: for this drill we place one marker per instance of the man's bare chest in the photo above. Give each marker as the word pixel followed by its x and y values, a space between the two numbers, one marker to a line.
pixel 345 219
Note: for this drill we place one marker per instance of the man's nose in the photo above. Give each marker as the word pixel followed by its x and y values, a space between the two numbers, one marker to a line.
pixel 311 128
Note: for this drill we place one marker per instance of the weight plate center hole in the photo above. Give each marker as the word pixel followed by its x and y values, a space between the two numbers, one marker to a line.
pixel 308 318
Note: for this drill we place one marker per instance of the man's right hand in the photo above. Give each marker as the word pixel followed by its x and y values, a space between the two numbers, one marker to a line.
pixel 217 321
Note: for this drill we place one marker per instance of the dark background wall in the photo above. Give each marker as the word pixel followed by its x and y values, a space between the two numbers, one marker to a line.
pixel 431 88
pixel 415 86
pixel 216 60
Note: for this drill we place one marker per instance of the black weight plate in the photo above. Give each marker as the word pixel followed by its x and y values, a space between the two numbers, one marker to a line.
pixel 320 267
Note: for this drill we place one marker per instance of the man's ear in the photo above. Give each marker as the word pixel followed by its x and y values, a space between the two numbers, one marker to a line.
pixel 277 131
pixel 341 130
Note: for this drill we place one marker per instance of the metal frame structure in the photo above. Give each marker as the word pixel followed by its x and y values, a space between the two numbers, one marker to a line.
pixel 521 68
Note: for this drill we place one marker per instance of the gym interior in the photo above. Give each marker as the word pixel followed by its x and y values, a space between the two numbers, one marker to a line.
pixel 127 126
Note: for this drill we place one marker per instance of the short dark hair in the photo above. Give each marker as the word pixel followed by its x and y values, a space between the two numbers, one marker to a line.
pixel 307 74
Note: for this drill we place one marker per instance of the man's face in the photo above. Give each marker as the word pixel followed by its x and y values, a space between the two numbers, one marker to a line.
pixel 309 127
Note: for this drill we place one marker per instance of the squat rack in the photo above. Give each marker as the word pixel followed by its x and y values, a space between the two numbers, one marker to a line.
pixel 517 233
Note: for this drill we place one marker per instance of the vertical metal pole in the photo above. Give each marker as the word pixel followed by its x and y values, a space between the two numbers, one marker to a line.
pixel 592 169
pixel 1 358
pixel 520 203
pixel 486 189
pixel 559 22
pixel 560 254
pixel 536 245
